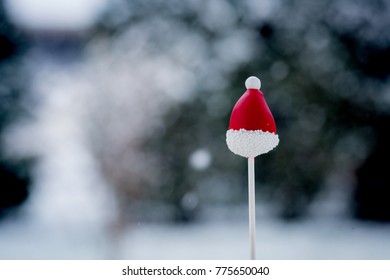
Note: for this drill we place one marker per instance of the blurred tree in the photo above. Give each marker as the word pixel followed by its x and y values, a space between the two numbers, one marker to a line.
pixel 366 44
pixel 14 174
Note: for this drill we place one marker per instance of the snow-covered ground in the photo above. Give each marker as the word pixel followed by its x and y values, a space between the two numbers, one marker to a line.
pixel 275 240
pixel 215 237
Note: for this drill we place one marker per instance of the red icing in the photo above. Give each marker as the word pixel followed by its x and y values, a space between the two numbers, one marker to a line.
pixel 251 112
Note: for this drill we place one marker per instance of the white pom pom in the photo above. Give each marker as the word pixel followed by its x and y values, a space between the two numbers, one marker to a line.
pixel 253 82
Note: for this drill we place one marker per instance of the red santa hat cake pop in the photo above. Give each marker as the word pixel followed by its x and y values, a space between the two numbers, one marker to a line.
pixel 252 129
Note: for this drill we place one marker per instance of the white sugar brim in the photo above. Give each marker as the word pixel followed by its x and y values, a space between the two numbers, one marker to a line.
pixel 251 143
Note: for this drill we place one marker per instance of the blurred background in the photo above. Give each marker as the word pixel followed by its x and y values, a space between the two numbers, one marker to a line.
pixel 113 116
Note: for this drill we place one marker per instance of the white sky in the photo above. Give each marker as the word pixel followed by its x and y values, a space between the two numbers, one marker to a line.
pixel 70 15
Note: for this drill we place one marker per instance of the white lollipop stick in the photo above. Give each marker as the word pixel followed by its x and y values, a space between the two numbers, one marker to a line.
pixel 252 208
